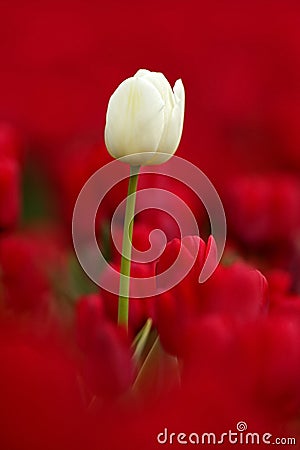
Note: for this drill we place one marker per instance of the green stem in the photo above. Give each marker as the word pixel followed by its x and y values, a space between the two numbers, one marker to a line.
pixel 127 248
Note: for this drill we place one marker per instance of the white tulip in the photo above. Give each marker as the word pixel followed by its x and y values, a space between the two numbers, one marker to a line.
pixel 144 119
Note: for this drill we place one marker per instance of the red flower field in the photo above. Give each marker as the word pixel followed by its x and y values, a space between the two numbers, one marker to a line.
pixel 199 358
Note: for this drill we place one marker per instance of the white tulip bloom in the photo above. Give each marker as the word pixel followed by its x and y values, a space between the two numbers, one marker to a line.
pixel 144 119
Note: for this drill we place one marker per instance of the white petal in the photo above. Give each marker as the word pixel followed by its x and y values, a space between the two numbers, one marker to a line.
pixel 142 72
pixel 173 131
pixel 134 120
pixel 166 145
pixel 161 83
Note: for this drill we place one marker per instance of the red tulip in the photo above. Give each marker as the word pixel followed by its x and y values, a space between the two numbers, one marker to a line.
pixel 237 292
pixel 106 360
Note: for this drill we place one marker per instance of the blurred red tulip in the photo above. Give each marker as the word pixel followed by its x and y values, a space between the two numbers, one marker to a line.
pixel 41 402
pixel 31 264
pixel 106 361
pixel 263 210
pixel 10 196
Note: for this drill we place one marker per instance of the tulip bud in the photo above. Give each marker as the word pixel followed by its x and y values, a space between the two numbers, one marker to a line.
pixel 144 119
